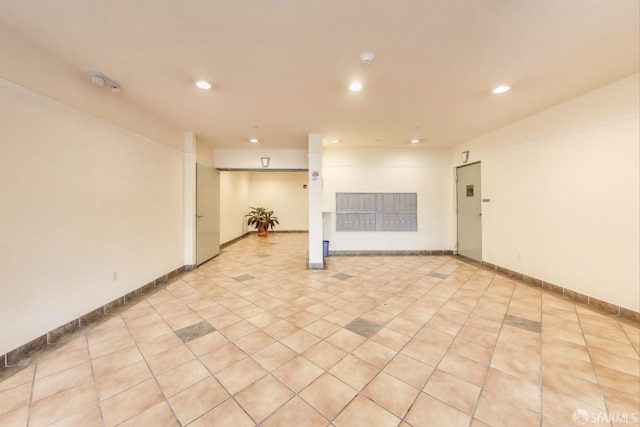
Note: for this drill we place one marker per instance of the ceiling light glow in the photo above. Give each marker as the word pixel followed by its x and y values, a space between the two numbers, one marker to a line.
pixel 355 86
pixel 501 89
pixel 203 85
pixel 253 140
pixel 415 141
pixel 335 141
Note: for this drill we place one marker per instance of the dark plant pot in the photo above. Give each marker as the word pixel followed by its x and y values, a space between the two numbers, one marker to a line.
pixel 262 231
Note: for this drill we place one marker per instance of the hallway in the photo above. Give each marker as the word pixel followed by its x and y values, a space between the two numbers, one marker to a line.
pixel 253 337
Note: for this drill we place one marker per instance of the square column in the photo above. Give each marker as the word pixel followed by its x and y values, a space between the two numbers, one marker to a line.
pixel 316 261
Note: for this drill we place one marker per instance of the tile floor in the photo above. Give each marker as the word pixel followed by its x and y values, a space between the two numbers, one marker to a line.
pixel 252 337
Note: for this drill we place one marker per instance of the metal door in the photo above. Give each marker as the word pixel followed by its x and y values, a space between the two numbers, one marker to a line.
pixel 207 213
pixel 469 211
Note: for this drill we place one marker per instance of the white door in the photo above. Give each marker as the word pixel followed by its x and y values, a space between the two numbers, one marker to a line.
pixel 469 211
pixel 207 213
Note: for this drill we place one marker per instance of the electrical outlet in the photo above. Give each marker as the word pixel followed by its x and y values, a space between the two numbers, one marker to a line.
pixel 115 276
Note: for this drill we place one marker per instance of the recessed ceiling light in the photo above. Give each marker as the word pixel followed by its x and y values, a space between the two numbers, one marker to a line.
pixel 203 85
pixel 415 141
pixel 335 141
pixel 501 89
pixel 253 140
pixel 355 86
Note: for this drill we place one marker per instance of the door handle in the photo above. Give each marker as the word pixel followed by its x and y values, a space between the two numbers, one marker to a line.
pixel 199 216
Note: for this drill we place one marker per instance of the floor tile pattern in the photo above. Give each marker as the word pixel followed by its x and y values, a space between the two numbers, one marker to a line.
pixel 369 341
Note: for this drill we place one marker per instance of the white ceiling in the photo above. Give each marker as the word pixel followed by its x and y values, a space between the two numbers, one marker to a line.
pixel 280 68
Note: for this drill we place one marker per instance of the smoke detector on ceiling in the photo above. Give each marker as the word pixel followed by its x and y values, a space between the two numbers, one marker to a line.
pixel 100 79
pixel 367 58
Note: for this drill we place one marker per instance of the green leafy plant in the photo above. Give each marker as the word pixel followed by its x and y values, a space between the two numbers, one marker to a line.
pixel 261 218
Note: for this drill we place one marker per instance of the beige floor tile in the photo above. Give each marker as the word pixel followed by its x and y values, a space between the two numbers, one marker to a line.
pixel 168 359
pixel 496 411
pixel 423 352
pixel 409 370
pixel 17 417
pixel 618 380
pixel 621 403
pixel 222 357
pixel 60 362
pixel 575 351
pixel 115 361
pixel 111 345
pixel 263 398
pixel 322 328
pixel 131 402
pixel 150 332
pixel 403 326
pixel 471 350
pixel 363 412
pixel 388 338
pixel 280 329
pixel 295 413
pixel 328 395
pixel 391 393
pixel 325 354
pixel 263 319
pixel 63 380
pixel 198 399
pixel 354 372
pixel 254 342
pixel 298 373
pixel 518 362
pixel 578 388
pixel 513 388
pixel 237 330
pixel 207 343
pixel 224 319
pixel 562 407
pixel 63 404
pixel 428 411
pixel 346 340
pixel 14 398
pixel 88 417
pixel 300 341
pixel 463 368
pixel 182 376
pixel 458 393
pixel 557 362
pixel 227 414
pixel 114 381
pixel 614 361
pixel 159 344
pixel 21 377
pixel 274 356
pixel 240 375
pixel 374 354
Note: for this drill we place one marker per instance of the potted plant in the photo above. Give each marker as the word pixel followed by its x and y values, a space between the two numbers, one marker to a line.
pixel 261 219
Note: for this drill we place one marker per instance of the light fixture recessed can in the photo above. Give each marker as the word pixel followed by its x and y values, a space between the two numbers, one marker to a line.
pixel 203 85
pixel 355 86
pixel 415 141
pixel 500 89
pixel 335 141
pixel 253 140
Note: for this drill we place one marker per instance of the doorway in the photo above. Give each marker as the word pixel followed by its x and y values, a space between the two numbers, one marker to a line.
pixel 207 213
pixel 469 211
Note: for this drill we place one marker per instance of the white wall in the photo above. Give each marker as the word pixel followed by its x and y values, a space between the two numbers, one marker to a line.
pixel 250 158
pixel 283 193
pixel 81 199
pixel 234 204
pixel 564 190
pixel 424 171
